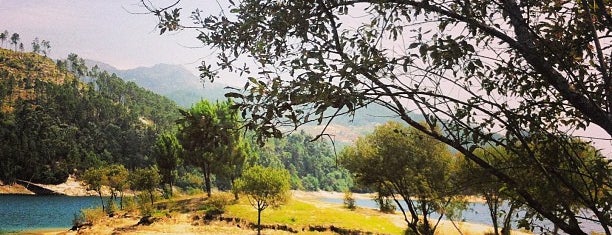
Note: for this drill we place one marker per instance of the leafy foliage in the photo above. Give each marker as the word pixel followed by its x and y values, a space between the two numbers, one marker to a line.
pixel 489 73
pixel 403 164
pixel 146 179
pixel 312 164
pixel 209 133
pixel 264 187
pixel 168 152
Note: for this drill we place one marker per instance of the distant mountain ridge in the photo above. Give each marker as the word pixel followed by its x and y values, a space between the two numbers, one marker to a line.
pixel 172 81
pixel 185 88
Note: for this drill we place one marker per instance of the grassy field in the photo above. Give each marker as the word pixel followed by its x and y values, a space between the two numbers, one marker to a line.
pixel 299 214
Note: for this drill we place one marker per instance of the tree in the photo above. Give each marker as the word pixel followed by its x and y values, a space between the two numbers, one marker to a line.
pixel 15 40
pixel 46 47
pixel 118 181
pixel 36 45
pixel 3 37
pixel 235 161
pixel 406 165
pixel 146 179
pixel 95 178
pixel 264 187
pixel 476 181
pixel 208 132
pixel 485 72
pixel 167 152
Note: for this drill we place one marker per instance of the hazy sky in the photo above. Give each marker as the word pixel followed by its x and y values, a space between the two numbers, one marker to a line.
pixel 103 30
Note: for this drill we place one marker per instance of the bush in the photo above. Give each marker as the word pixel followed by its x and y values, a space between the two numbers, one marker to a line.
pixel 349 201
pixel 220 200
pixel 385 204
pixel 129 204
pixel 91 215
pixel 111 207
pixel 144 204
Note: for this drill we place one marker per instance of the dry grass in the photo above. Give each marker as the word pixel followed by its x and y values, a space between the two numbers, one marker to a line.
pixel 176 216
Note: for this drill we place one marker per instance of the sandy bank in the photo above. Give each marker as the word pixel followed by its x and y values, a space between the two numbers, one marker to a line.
pixel 72 187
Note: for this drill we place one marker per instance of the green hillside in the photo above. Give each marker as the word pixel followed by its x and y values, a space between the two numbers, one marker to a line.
pixel 52 124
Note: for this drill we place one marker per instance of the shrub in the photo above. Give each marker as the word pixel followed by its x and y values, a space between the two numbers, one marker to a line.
pixel 349 201
pixel 129 204
pixel 220 200
pixel 91 215
pixel 144 205
pixel 385 204
pixel 112 207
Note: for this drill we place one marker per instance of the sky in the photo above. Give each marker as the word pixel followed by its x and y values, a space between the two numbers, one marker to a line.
pixel 108 31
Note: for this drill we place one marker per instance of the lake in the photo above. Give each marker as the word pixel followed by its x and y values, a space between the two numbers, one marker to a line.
pixel 26 212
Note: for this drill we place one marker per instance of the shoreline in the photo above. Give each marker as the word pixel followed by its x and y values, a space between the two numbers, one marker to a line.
pixel 183 222
pixel 71 187
pixel 41 231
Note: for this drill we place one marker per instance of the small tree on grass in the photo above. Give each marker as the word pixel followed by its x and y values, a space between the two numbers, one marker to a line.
pixel 95 178
pixel 146 179
pixel 264 187
pixel 117 179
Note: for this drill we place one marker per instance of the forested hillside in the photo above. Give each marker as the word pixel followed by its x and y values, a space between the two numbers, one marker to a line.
pixel 312 164
pixel 51 123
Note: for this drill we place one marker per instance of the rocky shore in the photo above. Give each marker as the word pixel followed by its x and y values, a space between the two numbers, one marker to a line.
pixel 72 187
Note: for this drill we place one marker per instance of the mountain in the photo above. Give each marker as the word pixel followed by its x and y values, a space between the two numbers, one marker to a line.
pixel 172 81
pixel 185 88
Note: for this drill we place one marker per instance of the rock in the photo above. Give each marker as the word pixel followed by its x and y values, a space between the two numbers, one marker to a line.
pixel 147 220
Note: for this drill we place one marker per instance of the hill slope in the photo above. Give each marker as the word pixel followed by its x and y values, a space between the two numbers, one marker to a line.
pixel 51 123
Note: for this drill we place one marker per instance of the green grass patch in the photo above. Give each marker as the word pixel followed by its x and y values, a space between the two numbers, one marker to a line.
pixel 298 214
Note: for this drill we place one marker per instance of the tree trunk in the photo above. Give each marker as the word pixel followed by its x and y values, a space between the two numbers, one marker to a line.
pixel 507 226
pixel 493 204
pixel 207 179
pixel 151 196
pixel 426 228
pixel 121 200
pixel 236 196
pixel 259 221
pixel 101 200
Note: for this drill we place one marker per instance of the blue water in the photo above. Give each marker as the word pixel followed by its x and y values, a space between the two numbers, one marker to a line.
pixel 26 212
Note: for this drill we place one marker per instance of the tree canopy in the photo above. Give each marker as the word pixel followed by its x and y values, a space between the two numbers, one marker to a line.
pixel 406 165
pixel 209 132
pixel 264 186
pixel 485 72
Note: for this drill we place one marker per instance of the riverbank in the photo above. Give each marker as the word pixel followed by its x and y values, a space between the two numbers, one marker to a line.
pixel 14 189
pixel 306 210
pixel 45 231
pixel 71 187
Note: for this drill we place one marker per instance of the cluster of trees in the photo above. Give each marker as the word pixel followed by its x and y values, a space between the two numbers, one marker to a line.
pixel 312 164
pixel 42 47
pixel 53 124
pixel 210 138
pixel 405 165
pixel 510 74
